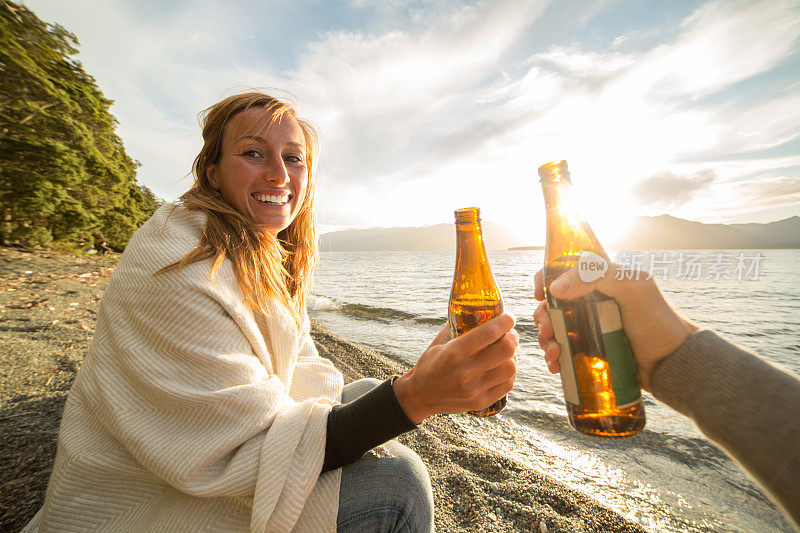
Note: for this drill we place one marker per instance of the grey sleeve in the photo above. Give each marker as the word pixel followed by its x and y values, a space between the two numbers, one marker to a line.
pixel 745 404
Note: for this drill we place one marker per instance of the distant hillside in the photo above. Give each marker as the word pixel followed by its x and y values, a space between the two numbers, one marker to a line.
pixel 648 233
pixel 436 237
pixel 666 232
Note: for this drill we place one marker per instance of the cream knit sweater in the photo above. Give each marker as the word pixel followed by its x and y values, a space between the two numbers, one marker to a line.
pixel 187 413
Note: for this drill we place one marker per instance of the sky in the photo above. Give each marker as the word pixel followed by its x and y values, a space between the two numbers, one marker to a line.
pixel 677 107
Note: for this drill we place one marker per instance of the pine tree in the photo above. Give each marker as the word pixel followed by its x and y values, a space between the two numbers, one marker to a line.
pixel 64 173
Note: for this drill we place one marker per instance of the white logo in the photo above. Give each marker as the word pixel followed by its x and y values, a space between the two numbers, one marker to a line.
pixel 591 266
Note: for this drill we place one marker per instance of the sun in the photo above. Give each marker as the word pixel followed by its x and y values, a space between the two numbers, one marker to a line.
pixel 610 215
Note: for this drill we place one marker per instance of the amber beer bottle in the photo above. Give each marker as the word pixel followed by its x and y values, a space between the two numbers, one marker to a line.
pixel 474 297
pixel 598 371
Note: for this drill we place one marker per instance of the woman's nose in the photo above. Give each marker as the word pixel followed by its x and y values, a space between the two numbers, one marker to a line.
pixel 276 172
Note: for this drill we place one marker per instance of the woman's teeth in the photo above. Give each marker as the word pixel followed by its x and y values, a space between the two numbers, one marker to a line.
pixel 270 199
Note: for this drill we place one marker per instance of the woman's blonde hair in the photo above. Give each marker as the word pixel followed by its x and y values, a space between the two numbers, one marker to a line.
pixel 266 267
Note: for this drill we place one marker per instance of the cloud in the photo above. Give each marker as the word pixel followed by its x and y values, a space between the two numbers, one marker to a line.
pixel 425 115
pixel 668 190
pixel 721 43
pixel 585 64
pixel 759 127
pixel 618 117
pixel 402 105
pixel 731 171
pixel 759 193
pixel 377 95
pixel 426 105
pixel 770 192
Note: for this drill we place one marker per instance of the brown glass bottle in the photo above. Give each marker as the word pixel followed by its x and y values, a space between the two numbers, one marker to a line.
pixel 598 371
pixel 474 297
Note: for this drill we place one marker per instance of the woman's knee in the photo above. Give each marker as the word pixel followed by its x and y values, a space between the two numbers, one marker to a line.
pixel 410 471
pixel 386 490
pixel 358 388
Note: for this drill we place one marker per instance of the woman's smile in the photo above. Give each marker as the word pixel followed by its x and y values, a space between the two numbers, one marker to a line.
pixel 271 199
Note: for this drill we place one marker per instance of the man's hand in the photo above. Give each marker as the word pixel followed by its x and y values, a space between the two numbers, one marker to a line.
pixel 653 327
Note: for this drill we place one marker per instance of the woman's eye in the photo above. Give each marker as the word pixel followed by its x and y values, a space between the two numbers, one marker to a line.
pixel 252 153
pixel 294 159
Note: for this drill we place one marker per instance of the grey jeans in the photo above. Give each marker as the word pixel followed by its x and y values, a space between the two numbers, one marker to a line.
pixel 388 489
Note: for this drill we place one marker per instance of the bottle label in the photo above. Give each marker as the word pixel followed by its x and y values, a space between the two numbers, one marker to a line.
pixel 569 381
pixel 618 353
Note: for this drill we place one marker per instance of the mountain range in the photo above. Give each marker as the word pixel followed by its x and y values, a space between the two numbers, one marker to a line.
pixel 670 233
pixel 436 237
pixel 647 233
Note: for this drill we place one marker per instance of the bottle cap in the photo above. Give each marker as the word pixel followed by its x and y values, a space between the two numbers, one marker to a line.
pixel 555 172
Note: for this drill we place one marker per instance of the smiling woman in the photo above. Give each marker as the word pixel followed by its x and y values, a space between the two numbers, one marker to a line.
pixel 203 402
pixel 262 171
pixel 255 146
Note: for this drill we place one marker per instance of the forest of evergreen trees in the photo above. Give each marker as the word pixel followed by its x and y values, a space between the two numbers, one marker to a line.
pixel 64 173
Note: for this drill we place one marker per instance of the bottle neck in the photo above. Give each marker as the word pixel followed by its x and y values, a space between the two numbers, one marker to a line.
pixel 567 233
pixel 473 279
pixel 558 195
pixel 557 188
pixel 470 246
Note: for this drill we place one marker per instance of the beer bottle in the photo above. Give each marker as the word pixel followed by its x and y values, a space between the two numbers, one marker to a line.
pixel 598 371
pixel 474 297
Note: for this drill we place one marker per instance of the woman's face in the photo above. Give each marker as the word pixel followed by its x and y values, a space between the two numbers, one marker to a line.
pixel 262 171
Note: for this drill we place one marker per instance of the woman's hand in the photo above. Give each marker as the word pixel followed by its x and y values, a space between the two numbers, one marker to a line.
pixel 653 327
pixel 467 373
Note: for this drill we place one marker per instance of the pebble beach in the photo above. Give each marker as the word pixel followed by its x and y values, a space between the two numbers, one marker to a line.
pixel 48 307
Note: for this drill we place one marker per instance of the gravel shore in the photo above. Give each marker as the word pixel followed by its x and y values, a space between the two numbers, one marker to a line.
pixel 48 306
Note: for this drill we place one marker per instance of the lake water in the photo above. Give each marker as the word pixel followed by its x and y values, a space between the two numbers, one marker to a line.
pixel 669 477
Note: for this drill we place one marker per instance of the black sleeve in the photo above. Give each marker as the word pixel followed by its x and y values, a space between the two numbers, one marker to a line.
pixel 366 422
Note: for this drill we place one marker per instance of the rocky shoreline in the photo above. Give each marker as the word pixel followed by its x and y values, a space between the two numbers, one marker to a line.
pixel 48 307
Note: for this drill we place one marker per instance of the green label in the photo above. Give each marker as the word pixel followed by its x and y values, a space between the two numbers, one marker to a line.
pixel 622 367
pixel 618 351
